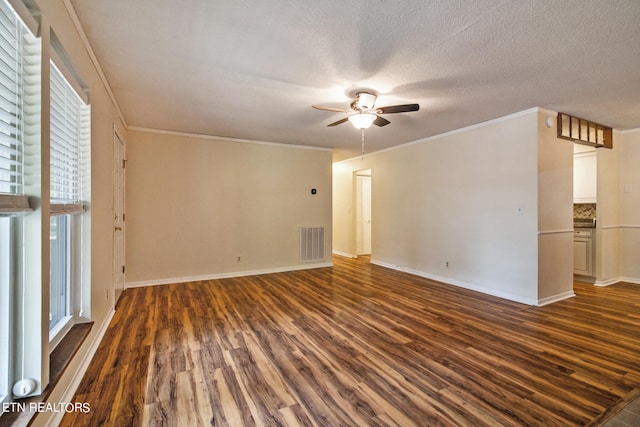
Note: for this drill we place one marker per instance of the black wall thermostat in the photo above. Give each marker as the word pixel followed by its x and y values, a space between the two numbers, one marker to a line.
pixel 314 191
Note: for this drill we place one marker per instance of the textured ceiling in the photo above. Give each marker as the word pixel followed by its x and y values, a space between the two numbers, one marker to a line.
pixel 252 69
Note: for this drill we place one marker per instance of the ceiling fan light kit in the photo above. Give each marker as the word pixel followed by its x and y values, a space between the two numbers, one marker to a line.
pixel 362 120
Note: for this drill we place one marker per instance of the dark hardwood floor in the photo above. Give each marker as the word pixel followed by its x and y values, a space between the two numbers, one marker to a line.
pixel 358 345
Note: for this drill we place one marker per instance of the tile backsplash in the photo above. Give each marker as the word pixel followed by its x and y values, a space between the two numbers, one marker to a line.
pixel 584 210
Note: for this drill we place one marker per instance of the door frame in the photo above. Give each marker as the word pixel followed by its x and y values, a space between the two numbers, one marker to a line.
pixel 119 230
pixel 356 228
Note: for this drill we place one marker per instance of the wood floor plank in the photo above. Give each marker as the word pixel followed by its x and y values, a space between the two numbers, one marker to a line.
pixel 358 344
pixel 294 415
pixel 231 408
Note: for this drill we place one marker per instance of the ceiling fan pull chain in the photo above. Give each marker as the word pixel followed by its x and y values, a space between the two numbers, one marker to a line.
pixel 362 130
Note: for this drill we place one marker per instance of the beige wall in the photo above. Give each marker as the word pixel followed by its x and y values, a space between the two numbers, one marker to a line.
pixel 629 202
pixel 607 242
pixel 454 198
pixel 195 204
pixel 618 225
pixel 344 213
pixel 555 212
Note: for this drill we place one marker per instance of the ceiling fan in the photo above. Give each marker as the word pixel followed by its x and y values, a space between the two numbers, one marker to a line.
pixel 363 112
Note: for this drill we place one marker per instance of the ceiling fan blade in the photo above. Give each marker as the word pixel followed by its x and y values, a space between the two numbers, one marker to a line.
pixel 339 110
pixel 381 121
pixel 339 122
pixel 398 109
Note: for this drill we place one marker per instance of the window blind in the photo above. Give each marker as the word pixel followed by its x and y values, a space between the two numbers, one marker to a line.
pixel 69 124
pixel 11 165
pixel 13 72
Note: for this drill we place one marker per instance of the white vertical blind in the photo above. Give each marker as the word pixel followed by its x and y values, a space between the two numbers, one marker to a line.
pixel 69 128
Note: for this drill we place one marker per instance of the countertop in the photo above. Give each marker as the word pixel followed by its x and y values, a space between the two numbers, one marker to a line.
pixel 584 223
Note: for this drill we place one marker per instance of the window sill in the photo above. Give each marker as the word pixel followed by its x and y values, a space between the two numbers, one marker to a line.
pixel 58 361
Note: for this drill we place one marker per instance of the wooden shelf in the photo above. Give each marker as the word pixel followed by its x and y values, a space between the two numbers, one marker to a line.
pixel 584 132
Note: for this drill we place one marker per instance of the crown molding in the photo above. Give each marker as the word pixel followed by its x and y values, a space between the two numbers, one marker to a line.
pixel 225 138
pixel 92 56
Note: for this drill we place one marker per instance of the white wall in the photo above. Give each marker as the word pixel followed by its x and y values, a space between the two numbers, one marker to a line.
pixel 195 204
pixel 468 197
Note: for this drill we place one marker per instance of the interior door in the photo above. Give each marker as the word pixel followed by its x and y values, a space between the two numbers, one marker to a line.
pixel 118 216
pixel 363 213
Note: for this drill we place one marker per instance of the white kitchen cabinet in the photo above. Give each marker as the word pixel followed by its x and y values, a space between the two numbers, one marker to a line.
pixel 585 167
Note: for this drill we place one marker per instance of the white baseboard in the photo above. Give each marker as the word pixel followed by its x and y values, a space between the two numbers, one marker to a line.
pixel 345 254
pixel 458 283
pixel 633 280
pixel 216 276
pixel 67 396
pixel 615 280
pixel 607 282
pixel 556 298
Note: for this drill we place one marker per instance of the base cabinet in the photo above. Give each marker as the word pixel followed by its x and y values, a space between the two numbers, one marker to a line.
pixel 583 252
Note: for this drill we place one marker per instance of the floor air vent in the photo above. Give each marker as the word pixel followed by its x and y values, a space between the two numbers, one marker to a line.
pixel 311 244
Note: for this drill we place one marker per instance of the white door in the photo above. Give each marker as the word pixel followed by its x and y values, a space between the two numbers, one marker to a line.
pixel 363 213
pixel 118 215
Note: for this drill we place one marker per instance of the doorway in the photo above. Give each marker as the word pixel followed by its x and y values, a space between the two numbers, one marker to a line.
pixel 363 212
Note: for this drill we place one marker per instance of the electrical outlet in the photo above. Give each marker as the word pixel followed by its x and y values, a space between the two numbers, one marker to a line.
pixel 446 264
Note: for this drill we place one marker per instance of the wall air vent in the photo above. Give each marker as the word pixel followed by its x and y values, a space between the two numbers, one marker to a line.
pixel 584 132
pixel 311 244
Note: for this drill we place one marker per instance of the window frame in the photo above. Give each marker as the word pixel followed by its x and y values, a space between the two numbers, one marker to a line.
pixel 63 270
pixel 6 312
pixel 69 202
